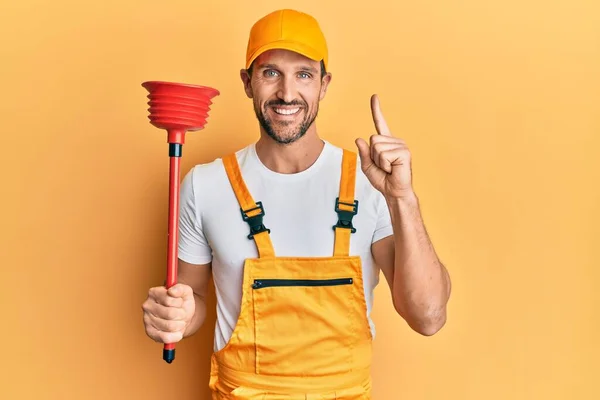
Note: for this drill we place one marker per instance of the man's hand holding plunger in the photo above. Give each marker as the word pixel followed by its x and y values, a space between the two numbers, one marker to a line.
pixel 168 312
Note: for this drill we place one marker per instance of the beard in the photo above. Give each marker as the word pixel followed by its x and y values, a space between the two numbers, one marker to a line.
pixel 286 132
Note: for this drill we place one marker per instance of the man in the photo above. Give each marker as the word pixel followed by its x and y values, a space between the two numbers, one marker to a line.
pixel 294 231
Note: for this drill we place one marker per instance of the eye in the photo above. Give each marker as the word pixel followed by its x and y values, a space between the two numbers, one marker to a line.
pixel 304 75
pixel 270 73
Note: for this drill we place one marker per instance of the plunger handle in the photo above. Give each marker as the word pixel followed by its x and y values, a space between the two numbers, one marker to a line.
pixel 176 140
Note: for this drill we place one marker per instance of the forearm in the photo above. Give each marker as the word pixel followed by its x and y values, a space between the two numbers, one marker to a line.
pixel 421 285
pixel 198 318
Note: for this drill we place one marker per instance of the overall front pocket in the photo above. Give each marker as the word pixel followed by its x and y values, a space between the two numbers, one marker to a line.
pixel 303 327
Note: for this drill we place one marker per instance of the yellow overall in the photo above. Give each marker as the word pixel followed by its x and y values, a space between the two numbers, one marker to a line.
pixel 303 331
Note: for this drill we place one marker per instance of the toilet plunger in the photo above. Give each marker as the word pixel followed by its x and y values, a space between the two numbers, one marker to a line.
pixel 177 108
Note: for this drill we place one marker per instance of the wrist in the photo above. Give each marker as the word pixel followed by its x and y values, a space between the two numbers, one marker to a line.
pixel 193 323
pixel 407 199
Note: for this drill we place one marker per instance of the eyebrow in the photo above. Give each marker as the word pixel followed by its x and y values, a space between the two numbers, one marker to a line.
pixel 309 69
pixel 302 68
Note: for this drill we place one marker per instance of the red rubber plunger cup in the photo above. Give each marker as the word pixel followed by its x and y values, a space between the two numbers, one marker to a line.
pixel 177 108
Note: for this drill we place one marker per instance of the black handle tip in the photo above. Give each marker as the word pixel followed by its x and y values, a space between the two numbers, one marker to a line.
pixel 169 355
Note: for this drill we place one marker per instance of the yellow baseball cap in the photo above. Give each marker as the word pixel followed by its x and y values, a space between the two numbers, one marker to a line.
pixel 289 30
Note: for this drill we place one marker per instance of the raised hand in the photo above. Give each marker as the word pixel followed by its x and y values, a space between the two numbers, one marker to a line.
pixel 386 160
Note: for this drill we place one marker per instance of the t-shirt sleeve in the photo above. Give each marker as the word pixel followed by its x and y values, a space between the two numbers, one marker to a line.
pixel 193 246
pixel 383 228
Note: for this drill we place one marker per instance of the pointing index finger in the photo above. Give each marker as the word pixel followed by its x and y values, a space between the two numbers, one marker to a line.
pixel 378 118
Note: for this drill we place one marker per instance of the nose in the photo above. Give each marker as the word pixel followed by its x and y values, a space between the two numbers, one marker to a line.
pixel 286 89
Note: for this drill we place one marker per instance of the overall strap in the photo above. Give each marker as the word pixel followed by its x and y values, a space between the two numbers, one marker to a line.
pixel 345 205
pixel 252 212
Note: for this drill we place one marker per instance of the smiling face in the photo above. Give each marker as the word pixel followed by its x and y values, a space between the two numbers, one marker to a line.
pixel 286 89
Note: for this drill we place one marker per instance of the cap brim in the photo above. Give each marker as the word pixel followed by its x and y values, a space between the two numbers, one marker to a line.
pixel 286 45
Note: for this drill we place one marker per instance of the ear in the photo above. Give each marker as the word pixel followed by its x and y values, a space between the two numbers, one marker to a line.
pixel 325 84
pixel 246 80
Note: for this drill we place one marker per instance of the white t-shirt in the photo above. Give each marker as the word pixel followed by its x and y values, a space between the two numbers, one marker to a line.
pixel 299 211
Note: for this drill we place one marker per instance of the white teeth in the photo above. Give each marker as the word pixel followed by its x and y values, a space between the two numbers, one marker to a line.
pixel 286 111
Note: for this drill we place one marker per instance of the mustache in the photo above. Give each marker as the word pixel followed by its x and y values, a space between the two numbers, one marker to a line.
pixel 282 103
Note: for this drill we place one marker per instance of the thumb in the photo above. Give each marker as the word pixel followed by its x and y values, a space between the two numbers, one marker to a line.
pixel 364 153
pixel 180 290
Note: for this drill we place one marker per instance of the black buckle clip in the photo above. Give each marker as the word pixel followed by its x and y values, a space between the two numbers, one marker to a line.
pixel 344 216
pixel 255 222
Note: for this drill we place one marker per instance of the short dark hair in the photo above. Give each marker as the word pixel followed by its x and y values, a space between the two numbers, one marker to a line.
pixel 323 70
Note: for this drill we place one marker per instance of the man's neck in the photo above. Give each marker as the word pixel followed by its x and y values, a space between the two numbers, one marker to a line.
pixel 291 158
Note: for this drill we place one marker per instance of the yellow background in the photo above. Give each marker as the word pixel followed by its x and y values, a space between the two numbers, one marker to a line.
pixel 499 101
